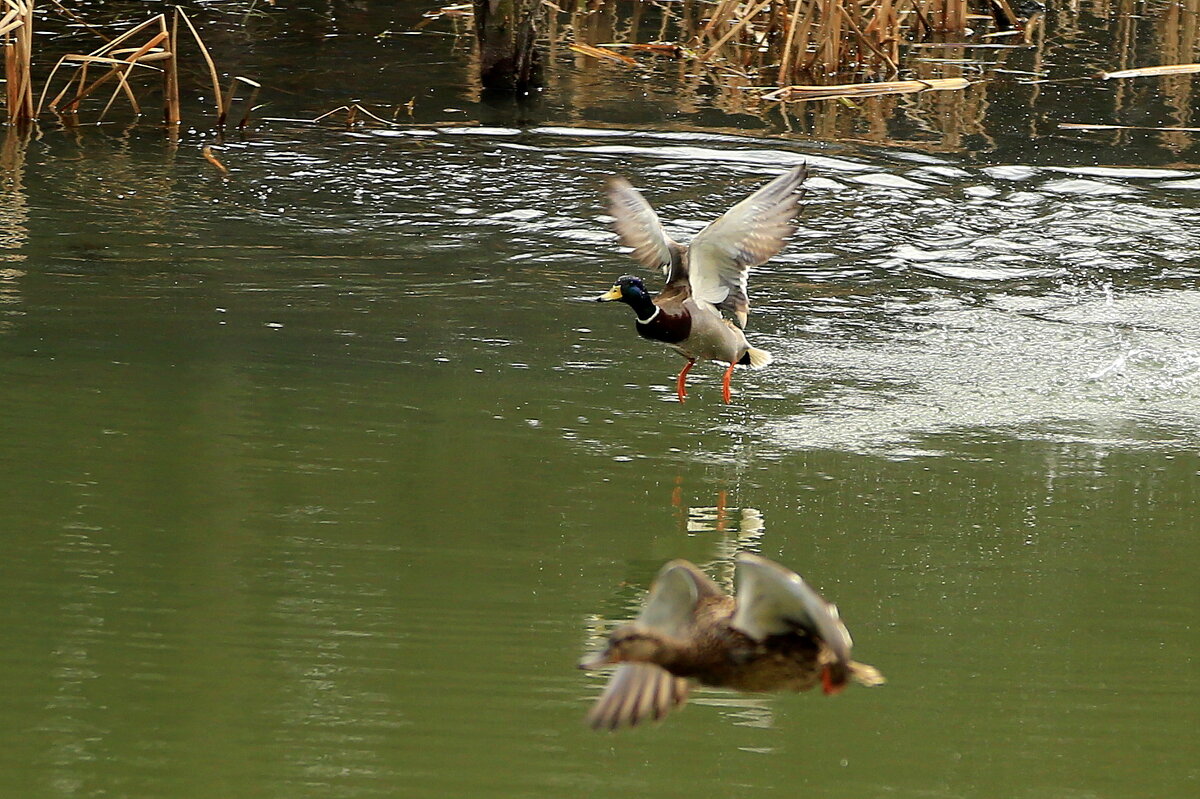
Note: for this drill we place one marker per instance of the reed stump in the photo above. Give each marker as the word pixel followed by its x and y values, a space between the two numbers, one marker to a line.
pixel 507 32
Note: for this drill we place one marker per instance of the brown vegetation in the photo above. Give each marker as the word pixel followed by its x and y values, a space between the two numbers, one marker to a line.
pixel 150 48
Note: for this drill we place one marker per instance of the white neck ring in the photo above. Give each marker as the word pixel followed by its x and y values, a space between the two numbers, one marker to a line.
pixel 653 316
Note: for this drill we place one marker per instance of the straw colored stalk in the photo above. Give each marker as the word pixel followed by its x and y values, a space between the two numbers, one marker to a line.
pixel 17 26
pixel 255 86
pixel 608 55
pixel 212 68
pixel 207 152
pixel 946 16
pixel 736 29
pixel 794 93
pixel 171 111
pixel 1146 72
pixel 804 36
pixel 1078 126
pixel 352 112
pixel 108 54
pixel 231 92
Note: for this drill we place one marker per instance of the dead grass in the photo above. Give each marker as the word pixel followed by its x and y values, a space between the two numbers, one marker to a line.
pixel 147 50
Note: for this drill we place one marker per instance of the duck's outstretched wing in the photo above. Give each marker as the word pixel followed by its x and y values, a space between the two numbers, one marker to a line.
pixel 748 234
pixel 638 227
pixel 671 606
pixel 636 692
pixel 772 600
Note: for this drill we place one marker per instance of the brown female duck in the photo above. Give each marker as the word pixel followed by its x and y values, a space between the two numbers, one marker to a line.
pixel 705 278
pixel 777 635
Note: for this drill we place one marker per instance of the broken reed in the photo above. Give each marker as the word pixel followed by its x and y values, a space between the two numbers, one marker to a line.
pixel 151 46
pixel 822 37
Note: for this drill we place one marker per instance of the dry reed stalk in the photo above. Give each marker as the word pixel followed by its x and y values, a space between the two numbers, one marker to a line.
pixel 254 88
pixel 794 93
pixel 719 16
pixel 1075 126
pixel 118 71
pixel 804 35
pixel 736 29
pixel 949 16
pixel 786 65
pixel 596 52
pixel 17 26
pixel 207 152
pixel 99 55
pixel 135 56
pixel 212 68
pixel 784 38
pixel 354 109
pixel 870 45
pixel 1145 72
pixel 25 47
pixel 883 29
pixel 658 48
pixel 1004 16
pixel 11 19
pixel 171 110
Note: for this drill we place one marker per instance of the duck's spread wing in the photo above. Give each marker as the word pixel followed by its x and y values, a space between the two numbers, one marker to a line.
pixel 748 234
pixel 638 227
pixel 636 692
pixel 671 606
pixel 772 600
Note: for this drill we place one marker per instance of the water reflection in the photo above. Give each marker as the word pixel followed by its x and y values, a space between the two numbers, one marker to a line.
pixel 1014 92
pixel 14 219
pixel 726 531
pixel 297 412
pixel 75 731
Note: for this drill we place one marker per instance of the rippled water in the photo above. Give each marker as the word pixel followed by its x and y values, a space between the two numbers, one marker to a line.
pixel 319 479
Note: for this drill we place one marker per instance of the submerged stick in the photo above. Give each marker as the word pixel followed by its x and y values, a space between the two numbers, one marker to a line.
pixel 212 159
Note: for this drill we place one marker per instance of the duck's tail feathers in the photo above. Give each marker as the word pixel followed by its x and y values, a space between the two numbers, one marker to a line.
pixel 756 359
pixel 865 675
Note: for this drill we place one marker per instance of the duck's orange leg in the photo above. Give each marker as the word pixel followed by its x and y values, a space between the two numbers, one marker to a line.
pixel 828 685
pixel 680 389
pixel 725 383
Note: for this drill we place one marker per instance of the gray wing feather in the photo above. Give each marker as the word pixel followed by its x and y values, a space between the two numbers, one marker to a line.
pixel 671 606
pixel 772 600
pixel 636 692
pixel 638 227
pixel 748 234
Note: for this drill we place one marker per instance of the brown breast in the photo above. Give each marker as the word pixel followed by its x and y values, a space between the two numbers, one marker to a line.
pixel 669 327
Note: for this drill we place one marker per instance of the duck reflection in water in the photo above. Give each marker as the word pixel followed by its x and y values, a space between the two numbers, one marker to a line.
pixel 706 277
pixel 777 635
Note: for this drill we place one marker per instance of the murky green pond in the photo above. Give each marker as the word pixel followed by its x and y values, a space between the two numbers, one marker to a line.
pixel 317 480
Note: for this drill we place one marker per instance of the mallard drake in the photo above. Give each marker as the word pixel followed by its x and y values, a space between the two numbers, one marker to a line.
pixel 706 277
pixel 778 635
